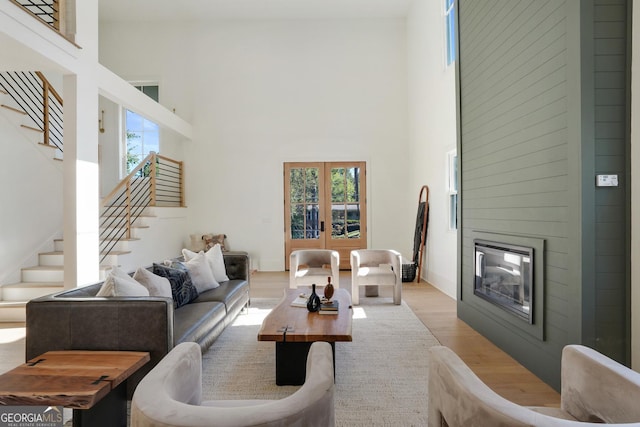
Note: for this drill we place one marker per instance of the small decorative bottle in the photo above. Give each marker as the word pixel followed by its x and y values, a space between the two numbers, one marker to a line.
pixel 313 304
pixel 328 290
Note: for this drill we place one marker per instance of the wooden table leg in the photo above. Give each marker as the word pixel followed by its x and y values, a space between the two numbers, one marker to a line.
pixel 110 411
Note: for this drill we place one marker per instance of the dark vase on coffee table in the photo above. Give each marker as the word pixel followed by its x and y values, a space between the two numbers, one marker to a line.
pixel 313 304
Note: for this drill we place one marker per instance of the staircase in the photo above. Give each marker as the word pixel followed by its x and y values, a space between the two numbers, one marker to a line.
pixel 43 279
pixel 48 276
pixel 29 101
pixel 16 115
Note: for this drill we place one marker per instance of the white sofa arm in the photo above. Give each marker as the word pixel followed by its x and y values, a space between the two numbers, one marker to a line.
pixel 170 395
pixel 597 388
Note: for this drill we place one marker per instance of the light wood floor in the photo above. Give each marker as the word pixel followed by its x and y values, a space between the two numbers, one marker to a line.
pixel 435 309
pixel 438 312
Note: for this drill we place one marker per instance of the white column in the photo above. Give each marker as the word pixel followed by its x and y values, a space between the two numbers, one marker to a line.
pixel 81 185
pixel 81 171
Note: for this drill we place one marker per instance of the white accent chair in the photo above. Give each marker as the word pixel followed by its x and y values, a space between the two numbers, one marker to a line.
pixel 309 266
pixel 373 268
pixel 595 389
pixel 170 395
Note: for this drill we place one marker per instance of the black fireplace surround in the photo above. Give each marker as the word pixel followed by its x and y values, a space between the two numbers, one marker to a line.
pixel 504 276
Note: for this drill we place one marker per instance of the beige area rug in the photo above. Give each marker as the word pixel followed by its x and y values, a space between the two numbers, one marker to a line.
pixel 381 377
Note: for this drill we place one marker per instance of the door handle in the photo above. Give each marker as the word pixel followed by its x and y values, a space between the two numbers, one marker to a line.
pixel 322 226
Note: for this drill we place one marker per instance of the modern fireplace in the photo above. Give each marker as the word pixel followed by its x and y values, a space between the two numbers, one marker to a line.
pixel 504 276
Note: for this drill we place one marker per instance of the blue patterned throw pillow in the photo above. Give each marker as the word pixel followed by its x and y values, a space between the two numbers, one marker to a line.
pixel 182 289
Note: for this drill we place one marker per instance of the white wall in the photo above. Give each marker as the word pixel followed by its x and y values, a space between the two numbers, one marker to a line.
pixel 109 146
pixel 33 211
pixel 31 194
pixel 164 239
pixel 432 133
pixel 260 93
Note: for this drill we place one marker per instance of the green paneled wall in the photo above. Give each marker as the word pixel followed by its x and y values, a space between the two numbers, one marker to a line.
pixel 611 328
pixel 543 92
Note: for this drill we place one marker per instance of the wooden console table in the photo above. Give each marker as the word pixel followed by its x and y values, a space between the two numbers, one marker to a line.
pixel 92 383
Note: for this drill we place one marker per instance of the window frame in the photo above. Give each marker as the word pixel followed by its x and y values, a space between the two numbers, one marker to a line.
pixel 154 94
pixel 450 32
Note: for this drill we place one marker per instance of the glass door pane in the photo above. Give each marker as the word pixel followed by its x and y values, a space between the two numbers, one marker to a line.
pixel 304 199
pixel 345 203
pixel 325 207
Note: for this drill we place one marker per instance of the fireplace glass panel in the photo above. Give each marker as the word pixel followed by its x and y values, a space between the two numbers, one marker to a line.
pixel 504 276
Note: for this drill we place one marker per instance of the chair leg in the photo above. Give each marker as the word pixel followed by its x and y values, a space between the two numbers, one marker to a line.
pixel 397 294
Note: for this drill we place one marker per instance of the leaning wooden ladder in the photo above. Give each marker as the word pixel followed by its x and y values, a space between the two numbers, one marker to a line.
pixel 422 222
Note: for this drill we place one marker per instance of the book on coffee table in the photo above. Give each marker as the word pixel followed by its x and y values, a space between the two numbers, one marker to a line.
pixel 330 307
pixel 300 301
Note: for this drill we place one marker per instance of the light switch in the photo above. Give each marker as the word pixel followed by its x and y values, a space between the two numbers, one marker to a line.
pixel 606 180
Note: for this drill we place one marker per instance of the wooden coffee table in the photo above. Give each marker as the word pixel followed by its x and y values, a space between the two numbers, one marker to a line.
pixel 90 382
pixel 294 329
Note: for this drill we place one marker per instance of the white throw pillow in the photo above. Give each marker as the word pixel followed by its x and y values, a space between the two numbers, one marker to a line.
pixel 200 272
pixel 216 261
pixel 189 255
pixel 156 285
pixel 106 290
pixel 120 284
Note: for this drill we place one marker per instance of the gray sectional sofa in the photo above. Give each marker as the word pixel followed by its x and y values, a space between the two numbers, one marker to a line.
pixel 76 319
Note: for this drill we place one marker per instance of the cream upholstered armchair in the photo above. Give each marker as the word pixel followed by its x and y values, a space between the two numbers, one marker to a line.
pixel 595 390
pixel 171 396
pixel 309 266
pixel 373 268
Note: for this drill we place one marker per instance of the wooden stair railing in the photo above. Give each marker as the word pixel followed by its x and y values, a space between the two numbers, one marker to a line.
pixel 155 181
pixel 51 12
pixel 39 100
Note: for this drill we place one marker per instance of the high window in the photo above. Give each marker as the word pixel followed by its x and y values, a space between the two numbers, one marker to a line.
pixel 142 135
pixel 450 30
pixel 150 90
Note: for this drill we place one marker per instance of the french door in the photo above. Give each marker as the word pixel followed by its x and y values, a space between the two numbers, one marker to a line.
pixel 325 207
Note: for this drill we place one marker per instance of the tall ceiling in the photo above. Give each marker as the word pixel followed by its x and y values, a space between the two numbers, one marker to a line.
pixel 206 10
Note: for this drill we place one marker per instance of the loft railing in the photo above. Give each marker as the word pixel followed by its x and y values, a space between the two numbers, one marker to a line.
pixel 48 11
pixel 35 96
pixel 156 181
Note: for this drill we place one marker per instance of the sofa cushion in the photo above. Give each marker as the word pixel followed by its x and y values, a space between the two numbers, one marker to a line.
pixel 182 289
pixel 227 293
pixel 200 272
pixel 158 286
pixel 120 284
pixel 216 261
pixel 213 239
pixel 193 322
pixel 80 292
pixel 204 242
